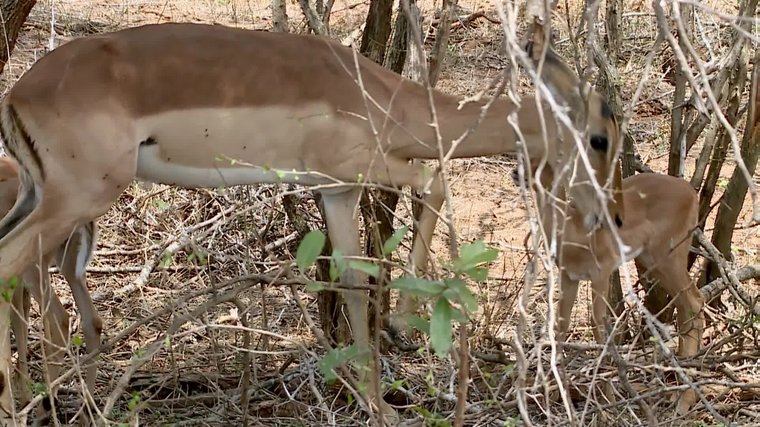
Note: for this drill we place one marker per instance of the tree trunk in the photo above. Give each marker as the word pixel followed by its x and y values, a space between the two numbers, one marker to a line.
pixel 14 13
pixel 612 37
pixel 736 83
pixel 736 191
pixel 377 30
pixel 378 206
pixel 315 23
pixel 279 16
pixel 677 122
pixel 438 54
pixel 395 58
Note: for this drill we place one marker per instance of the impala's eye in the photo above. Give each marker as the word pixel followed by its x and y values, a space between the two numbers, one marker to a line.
pixel 599 143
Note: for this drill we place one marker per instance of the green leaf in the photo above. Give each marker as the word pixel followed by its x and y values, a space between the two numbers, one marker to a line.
pixel 76 340
pixel 337 265
pixel 418 286
pixel 464 294
pixel 450 295
pixel 458 316
pixel 161 204
pixel 440 328
pixel 39 388
pixel 314 287
pixel 478 274
pixel 134 401
pixel 473 254
pixel 166 259
pixel 420 324
pixel 335 358
pixel 392 243
pixel 396 385
pixel 366 267
pixel 309 249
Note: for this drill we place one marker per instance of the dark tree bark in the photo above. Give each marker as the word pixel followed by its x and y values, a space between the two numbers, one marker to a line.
pixel 612 37
pixel 14 13
pixel 377 206
pixel 736 82
pixel 377 30
pixel 438 54
pixel 736 191
pixel 279 16
pixel 395 58
pixel 677 122
pixel 722 142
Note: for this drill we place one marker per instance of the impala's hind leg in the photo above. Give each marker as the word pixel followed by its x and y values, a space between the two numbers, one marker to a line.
pixel 73 259
pixel 56 333
pixel 60 209
pixel 20 326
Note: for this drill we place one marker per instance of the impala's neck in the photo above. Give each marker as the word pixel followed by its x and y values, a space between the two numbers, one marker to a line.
pixel 493 135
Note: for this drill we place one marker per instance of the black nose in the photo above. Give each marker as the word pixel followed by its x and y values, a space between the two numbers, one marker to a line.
pixel 618 221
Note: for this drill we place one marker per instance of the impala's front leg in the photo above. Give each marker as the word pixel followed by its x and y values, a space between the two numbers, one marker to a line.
pixel 343 228
pixel 674 277
pixel 432 201
pixel 568 292
pixel 600 288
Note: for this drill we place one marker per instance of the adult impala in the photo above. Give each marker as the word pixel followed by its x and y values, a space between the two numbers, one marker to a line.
pixel 209 106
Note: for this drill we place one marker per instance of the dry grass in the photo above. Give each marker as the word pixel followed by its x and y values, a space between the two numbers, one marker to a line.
pixel 194 378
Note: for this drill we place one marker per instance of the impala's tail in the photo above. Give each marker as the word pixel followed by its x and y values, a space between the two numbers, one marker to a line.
pixel 19 145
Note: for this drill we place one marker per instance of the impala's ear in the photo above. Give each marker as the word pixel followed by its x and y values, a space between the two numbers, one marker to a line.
pixel 557 75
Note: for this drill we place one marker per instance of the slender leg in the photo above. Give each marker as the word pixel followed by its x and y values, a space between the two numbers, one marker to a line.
pixel 343 228
pixel 73 260
pixel 433 200
pixel 600 288
pixel 674 277
pixel 20 326
pixel 56 327
pixel 568 292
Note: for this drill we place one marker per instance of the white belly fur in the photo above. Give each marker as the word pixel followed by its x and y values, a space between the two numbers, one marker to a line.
pixel 223 147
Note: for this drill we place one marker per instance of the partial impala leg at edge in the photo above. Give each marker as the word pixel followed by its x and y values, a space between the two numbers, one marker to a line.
pixel 72 258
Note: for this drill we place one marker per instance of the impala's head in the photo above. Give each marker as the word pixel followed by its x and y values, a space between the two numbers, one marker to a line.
pixel 595 121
